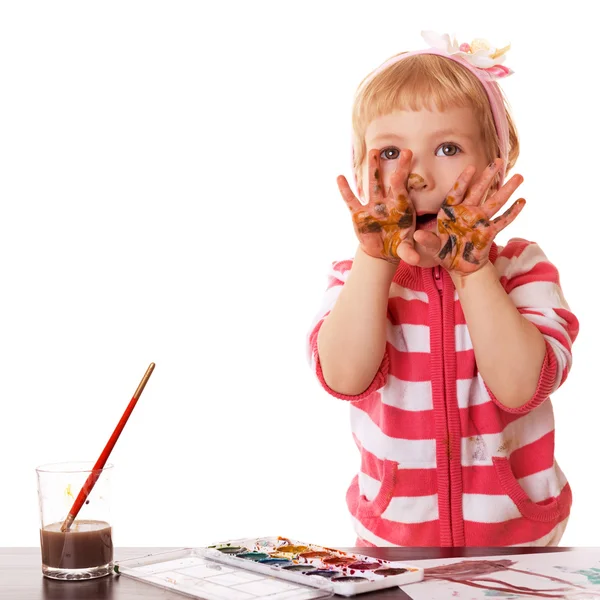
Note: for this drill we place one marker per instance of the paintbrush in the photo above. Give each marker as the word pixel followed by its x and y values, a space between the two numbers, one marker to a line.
pixel 97 470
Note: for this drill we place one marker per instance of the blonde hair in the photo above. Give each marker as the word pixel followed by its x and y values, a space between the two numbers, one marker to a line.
pixel 424 81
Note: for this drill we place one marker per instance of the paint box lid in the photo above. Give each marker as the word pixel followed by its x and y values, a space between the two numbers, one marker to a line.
pixel 195 573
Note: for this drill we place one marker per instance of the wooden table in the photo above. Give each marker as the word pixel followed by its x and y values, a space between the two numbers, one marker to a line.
pixel 21 576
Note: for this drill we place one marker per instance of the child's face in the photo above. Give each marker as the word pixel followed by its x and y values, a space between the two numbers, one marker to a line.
pixel 443 145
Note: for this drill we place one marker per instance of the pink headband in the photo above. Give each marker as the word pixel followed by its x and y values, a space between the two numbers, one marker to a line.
pixel 481 60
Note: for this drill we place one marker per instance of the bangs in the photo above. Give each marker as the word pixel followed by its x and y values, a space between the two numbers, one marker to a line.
pixel 418 82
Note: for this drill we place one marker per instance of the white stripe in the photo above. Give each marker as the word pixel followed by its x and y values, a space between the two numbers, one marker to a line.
pixel 397 291
pixel 408 338
pixel 517 265
pixel 563 358
pixel 551 314
pixel 545 484
pixel 551 324
pixel 408 453
pixel 368 486
pixel 417 509
pixel 538 294
pixel 364 534
pixel 471 392
pixel 402 509
pixel 483 508
pixel 407 395
pixel 462 338
pixel 478 450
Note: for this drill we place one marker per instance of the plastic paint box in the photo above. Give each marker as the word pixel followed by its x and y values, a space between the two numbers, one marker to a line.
pixel 276 568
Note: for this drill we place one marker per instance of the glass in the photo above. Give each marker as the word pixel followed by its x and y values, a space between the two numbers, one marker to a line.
pixel 85 551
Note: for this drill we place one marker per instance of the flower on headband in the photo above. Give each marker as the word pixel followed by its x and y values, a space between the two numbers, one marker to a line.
pixel 478 53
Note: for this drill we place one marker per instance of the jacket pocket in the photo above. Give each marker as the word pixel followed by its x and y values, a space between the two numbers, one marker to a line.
pixel 545 511
pixel 370 509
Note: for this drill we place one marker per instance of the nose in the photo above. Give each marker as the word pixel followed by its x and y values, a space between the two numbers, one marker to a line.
pixel 416 182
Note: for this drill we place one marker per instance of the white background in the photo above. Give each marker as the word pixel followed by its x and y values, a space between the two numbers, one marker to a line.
pixel 167 186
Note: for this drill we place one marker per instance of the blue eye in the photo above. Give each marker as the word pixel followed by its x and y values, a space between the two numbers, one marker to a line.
pixel 448 150
pixel 389 153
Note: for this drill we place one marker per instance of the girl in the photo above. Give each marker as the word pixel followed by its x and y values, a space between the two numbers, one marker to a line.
pixel 446 345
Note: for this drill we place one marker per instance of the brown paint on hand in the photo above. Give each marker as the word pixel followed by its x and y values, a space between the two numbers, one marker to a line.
pixel 471 233
pixel 468 254
pixel 394 223
pixel 381 209
pixel 367 224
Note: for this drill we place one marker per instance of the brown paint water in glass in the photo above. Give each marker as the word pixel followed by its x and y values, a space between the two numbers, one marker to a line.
pixel 86 544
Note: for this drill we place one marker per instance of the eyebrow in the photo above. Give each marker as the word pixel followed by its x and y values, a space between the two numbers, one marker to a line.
pixel 435 134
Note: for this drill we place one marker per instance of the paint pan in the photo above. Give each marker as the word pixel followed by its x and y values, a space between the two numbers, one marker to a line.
pixel 346 573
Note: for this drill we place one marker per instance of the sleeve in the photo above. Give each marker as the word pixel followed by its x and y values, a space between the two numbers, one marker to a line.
pixel 532 283
pixel 337 277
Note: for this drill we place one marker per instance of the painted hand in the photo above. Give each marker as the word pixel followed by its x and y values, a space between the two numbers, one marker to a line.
pixel 385 226
pixel 465 228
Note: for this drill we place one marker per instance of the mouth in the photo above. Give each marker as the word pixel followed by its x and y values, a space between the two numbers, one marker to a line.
pixel 426 221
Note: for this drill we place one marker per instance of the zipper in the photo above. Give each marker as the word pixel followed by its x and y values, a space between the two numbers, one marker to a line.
pixel 437 275
pixel 439 283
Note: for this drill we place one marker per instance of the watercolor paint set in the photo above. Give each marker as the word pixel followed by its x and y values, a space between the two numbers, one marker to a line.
pixel 276 568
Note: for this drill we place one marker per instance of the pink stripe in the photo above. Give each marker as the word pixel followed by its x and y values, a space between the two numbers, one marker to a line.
pixel 409 366
pixel 342 266
pixel 572 325
pixel 416 366
pixel 459 315
pixel 333 281
pixel 533 458
pixel 531 311
pixel 398 423
pixel 514 248
pixel 412 312
pixel 542 271
pixel 481 419
pixel 556 334
pixel 409 482
pixel 481 479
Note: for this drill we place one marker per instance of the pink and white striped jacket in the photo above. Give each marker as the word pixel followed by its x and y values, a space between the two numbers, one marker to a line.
pixel 443 463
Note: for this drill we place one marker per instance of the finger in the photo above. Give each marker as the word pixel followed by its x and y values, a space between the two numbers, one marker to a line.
pixel 479 189
pixel 406 252
pixel 399 177
pixel 430 242
pixel 455 195
pixel 375 177
pixel 509 216
pixel 348 195
pixel 493 204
